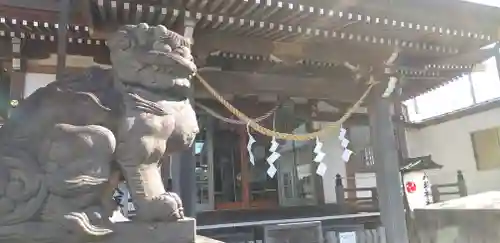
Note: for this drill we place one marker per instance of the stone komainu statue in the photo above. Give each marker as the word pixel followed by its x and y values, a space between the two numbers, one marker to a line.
pixel 65 148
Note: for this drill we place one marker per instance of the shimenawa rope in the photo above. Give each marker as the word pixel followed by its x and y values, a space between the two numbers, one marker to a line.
pixel 233 121
pixel 286 136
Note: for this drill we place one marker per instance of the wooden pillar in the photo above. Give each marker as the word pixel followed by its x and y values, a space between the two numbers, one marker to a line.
pixel 62 36
pixel 387 167
pixel 187 181
pixel 187 173
pixel 400 126
pixel 209 143
pixel 17 74
pixel 167 163
pixel 245 172
pixel 174 172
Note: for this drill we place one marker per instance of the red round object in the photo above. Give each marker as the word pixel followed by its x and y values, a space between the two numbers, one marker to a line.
pixel 411 187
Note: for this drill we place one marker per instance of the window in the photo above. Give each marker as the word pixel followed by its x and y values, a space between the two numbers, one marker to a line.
pixel 486 144
pixel 367 157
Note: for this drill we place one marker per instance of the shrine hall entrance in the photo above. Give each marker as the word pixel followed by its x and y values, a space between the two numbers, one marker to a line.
pixel 226 180
pixel 237 183
pixel 225 177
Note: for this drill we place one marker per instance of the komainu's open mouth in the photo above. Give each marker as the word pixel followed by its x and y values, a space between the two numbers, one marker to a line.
pixel 169 63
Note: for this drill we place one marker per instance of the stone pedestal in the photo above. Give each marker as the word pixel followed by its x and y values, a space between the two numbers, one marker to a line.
pixel 203 239
pixel 183 231
pixel 470 219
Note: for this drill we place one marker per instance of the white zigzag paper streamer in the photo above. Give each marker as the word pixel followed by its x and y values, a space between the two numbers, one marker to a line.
pixel 319 158
pixel 390 87
pixel 344 142
pixel 271 172
pixel 250 143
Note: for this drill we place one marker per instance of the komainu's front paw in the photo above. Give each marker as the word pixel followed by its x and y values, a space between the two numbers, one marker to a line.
pixel 166 207
pixel 180 207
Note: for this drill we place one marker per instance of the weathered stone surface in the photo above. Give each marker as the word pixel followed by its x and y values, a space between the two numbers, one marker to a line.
pixel 182 231
pixel 203 239
pixel 68 145
pixel 470 219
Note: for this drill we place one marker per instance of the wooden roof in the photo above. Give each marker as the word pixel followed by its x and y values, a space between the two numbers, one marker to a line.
pixel 315 36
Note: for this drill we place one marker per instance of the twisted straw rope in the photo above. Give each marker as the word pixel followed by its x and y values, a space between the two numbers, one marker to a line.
pixel 233 121
pixel 287 136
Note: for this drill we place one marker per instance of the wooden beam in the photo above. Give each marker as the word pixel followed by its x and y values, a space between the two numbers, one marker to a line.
pixel 466 59
pixel 334 51
pixel 373 26
pixel 403 16
pixel 41 5
pixel 62 36
pixel 18 11
pixel 207 42
pixel 358 119
pixel 50 69
pixel 38 49
pixel 41 11
pixel 242 83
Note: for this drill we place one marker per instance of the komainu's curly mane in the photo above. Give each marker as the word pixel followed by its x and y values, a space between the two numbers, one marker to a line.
pixel 94 82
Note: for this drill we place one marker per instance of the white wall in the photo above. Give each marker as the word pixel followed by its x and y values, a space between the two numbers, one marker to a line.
pixel 35 81
pixel 450 145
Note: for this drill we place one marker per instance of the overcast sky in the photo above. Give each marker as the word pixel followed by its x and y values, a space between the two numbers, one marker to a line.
pixel 486 87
